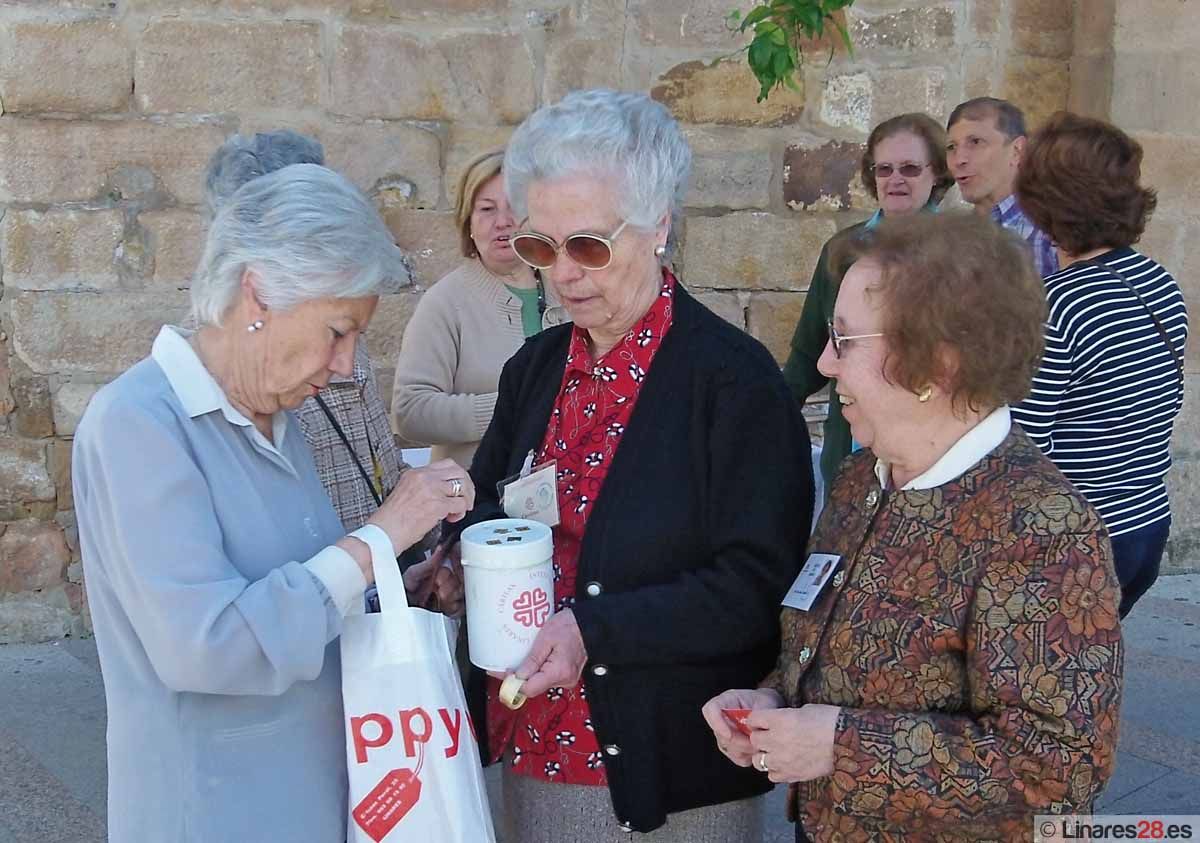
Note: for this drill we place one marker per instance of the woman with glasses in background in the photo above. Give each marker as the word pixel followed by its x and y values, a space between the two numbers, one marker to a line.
pixel 904 168
pixel 468 324
pixel 674 545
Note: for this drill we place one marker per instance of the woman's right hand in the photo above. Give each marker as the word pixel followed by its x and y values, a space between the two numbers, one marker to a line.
pixel 422 498
pixel 730 741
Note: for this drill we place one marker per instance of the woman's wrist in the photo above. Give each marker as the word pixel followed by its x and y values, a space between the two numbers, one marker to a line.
pixel 360 553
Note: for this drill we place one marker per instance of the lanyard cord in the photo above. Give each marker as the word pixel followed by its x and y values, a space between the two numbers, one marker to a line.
pixel 353 455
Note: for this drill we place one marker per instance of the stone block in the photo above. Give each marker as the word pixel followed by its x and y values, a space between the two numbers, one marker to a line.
pixel 66 160
pixel 1091 86
pixel 1094 27
pixel 32 416
pixel 724 92
pixel 1153 24
pixel 60 250
pixel 772 319
pixel 1171 165
pixel 433 11
pixel 1043 14
pixel 73 66
pixel 1042 86
pixel 60 472
pixel 387 327
pixel 305 9
pixel 574 64
pixel 35 556
pixel 34 617
pixel 68 405
pixel 846 102
pixel 69 333
pixel 980 69
pixel 429 238
pixel 1153 88
pixel 465 143
pixel 1050 43
pixel 227 66
pixel 899 91
pixel 6 399
pixel 381 157
pixel 921 29
pixel 727 305
pixel 24 478
pixel 175 238
pixel 754 251
pixel 1183 481
pixel 985 17
pixel 821 177
pixel 688 24
pixel 731 168
pixel 387 72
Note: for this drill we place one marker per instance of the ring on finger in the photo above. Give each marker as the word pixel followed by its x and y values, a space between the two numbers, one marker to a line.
pixel 761 763
pixel 456 488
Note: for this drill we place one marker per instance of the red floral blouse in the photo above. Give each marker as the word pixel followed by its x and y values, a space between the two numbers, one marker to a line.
pixel 551 735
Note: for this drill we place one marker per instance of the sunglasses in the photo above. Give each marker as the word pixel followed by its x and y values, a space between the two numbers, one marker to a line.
pixel 590 251
pixel 838 339
pixel 909 170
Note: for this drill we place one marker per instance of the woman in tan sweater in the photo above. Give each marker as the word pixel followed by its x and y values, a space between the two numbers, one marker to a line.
pixel 468 324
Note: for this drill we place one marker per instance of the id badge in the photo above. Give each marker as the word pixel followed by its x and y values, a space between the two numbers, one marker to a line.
pixel 533 496
pixel 811 580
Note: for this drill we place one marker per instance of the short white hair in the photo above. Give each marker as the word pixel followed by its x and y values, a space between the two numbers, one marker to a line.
pixel 307 232
pixel 624 138
pixel 243 157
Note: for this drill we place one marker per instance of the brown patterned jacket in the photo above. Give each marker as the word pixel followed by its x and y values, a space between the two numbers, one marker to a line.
pixel 970 636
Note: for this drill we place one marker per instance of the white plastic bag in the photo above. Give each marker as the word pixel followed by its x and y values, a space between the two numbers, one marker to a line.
pixel 411 750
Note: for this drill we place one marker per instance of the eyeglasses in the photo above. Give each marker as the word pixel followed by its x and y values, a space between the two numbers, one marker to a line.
pixel 838 340
pixel 590 251
pixel 908 169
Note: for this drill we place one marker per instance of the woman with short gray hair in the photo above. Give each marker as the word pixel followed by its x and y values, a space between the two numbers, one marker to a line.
pixel 217 572
pixel 671 553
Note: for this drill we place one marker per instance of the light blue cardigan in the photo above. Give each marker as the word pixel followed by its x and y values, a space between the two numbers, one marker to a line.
pixel 217 639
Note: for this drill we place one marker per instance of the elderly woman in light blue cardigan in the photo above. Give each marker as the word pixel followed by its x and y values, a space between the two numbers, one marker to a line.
pixel 217 572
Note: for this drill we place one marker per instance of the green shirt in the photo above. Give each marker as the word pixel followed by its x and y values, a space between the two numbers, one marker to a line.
pixel 531 317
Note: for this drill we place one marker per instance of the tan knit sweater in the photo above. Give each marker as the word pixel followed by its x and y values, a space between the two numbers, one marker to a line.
pixel 465 328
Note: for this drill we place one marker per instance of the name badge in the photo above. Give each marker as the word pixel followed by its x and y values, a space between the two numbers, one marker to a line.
pixel 811 580
pixel 533 496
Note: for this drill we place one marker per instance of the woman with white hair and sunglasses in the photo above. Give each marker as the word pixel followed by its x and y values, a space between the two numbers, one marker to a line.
pixel 217 571
pixel 675 543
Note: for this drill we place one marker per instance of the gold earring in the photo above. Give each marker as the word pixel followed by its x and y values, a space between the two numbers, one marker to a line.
pixel 925 394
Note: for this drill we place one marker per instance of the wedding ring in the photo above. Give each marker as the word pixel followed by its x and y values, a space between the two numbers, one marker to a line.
pixel 456 488
pixel 510 692
pixel 761 763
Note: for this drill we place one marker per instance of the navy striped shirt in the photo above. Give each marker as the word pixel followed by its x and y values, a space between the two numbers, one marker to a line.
pixel 1108 390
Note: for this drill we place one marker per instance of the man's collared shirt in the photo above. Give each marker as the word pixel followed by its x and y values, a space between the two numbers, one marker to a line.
pixel 1009 214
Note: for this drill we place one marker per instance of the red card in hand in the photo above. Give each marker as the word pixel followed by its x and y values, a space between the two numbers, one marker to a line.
pixel 737 716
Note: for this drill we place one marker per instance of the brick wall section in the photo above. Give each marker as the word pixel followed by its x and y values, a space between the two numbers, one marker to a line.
pixel 109 110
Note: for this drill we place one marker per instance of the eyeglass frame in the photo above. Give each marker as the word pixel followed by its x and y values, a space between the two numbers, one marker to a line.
pixel 560 247
pixel 899 168
pixel 837 339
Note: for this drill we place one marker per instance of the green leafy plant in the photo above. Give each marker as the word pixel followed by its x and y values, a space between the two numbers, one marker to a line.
pixel 781 27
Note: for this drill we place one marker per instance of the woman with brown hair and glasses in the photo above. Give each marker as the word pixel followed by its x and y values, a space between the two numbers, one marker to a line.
pixel 958 670
pixel 673 545
pixel 1111 382
pixel 469 323
pixel 903 167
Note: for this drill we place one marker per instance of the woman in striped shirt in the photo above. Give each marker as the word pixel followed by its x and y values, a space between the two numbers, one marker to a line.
pixel 1111 381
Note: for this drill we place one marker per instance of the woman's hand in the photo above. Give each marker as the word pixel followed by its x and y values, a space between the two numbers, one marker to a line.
pixel 798 742
pixel 556 658
pixel 422 498
pixel 437 582
pixel 730 741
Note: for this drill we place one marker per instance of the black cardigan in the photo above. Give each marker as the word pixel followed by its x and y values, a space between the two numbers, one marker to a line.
pixel 696 535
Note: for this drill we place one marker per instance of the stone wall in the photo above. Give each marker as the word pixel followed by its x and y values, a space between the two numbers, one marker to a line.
pixel 110 109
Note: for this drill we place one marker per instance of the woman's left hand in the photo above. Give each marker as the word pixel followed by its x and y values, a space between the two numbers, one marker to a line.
pixel 437 582
pixel 798 742
pixel 556 658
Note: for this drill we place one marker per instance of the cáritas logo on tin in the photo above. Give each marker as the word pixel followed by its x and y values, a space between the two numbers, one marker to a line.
pixel 531 608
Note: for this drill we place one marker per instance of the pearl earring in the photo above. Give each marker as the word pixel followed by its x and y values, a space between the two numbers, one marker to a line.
pixel 659 251
pixel 256 325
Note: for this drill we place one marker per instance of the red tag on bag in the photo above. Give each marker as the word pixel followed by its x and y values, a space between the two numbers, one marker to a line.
pixel 388 803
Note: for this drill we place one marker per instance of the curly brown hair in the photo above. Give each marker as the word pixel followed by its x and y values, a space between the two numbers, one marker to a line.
pixel 931 134
pixel 1079 183
pixel 963 306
